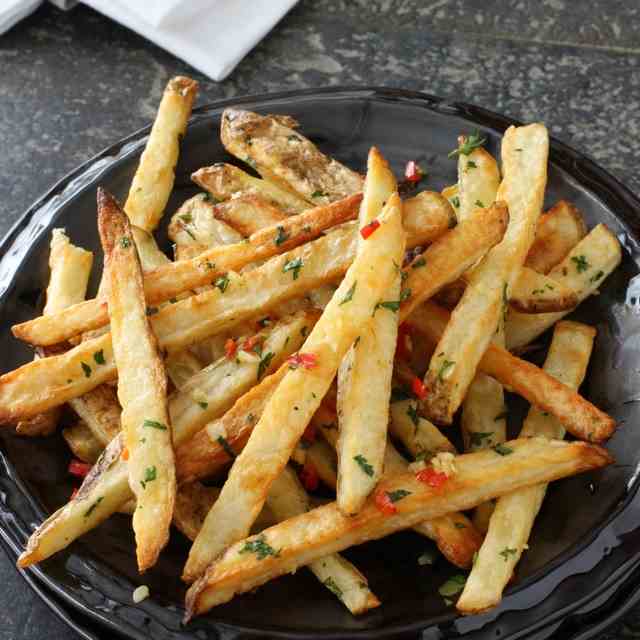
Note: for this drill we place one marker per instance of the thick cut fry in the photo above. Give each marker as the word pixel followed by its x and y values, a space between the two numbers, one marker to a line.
pixel 70 268
pixel 427 212
pixel 100 412
pixel 514 514
pixel 288 499
pixel 193 502
pixel 577 415
pixel 181 366
pixel 40 385
pixel 535 292
pixel 419 436
pixel 249 213
pixel 558 231
pixel 148 252
pixel 450 256
pixel 285 157
pixel 152 184
pixel 210 267
pixel 363 399
pixel 584 270
pixel 296 542
pixel 323 460
pixel 478 181
pixel 82 442
pixel 224 182
pixel 194 228
pixel 109 485
pixel 298 396
pixel 142 386
pixel 456 357
pixel 203 456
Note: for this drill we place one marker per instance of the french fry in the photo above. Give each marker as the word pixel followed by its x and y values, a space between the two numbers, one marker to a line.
pixel 108 484
pixel 298 541
pixel 149 254
pixel 224 182
pixel 83 444
pixel 288 499
pixel 323 460
pixel 478 180
pixel 142 386
pixel 489 288
pixel 100 412
pixel 535 292
pixel 202 456
pixel 584 269
pixel 153 181
pixel 298 396
pixel 247 214
pixel 363 400
pixel 70 268
pixel 211 267
pixel 512 520
pixel 181 366
pixel 577 415
pixel 194 228
pixel 558 231
pixel 419 436
pixel 192 504
pixel 283 156
pixel 427 213
pixel 451 193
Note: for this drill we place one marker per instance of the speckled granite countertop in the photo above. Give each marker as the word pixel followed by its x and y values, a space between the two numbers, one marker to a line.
pixel 72 83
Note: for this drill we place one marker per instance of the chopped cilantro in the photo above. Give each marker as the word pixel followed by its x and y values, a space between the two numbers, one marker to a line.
pixel 222 283
pixel 281 236
pixel 152 424
pixel 468 144
pixel 264 363
pixel 125 243
pixel 398 494
pixel 349 295
pixel 506 552
pixel 150 475
pixel 293 266
pixel 86 368
pixel 93 507
pixel 581 263
pixel 476 437
pixel 333 587
pixel 98 356
pixel 363 463
pixel 455 584
pixel 502 450
pixel 260 547
pixel 444 367
pixel 420 262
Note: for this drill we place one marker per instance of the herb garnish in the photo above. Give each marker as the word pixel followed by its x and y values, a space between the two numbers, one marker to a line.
pixel 260 547
pixel 294 266
pixel 333 587
pixel 98 356
pixel 476 437
pixel 152 424
pixel 581 263
pixel 265 361
pixel 202 404
pixel 502 450
pixel 86 368
pixel 222 283
pixel 125 243
pixel 468 144
pixel 398 494
pixel 363 463
pixel 392 305
pixel 349 295
pixel 596 277
pixel 93 507
pixel 150 474
pixel 471 165
pixel 479 203
pixel 455 201
pixel 506 552
pixel 444 367
pixel 282 235
pixel 455 584
pixel 319 194
pixel 420 262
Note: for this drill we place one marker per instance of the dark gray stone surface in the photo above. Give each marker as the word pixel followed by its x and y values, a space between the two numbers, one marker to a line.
pixel 73 83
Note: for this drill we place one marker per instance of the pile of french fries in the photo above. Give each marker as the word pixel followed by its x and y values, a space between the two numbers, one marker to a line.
pixel 316 330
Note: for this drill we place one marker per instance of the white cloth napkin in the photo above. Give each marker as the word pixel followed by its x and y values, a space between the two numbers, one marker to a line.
pixel 211 35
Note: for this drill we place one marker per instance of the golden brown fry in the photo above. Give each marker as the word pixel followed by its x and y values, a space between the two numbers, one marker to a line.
pixel 194 228
pixel 558 231
pixel 70 268
pixel 100 411
pixel 584 270
pixel 209 267
pixel 427 214
pixel 193 502
pixel 288 499
pixel 479 477
pixel 511 523
pixel 142 386
pixel 538 293
pixel 478 181
pixel 224 182
pixel 298 396
pixel 363 399
pixel 181 366
pixel 248 214
pixel 489 288
pixel 83 444
pixel 577 415
pixel 153 182
pixel 285 157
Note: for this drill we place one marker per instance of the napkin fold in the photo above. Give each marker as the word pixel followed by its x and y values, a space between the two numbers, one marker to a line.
pixel 211 35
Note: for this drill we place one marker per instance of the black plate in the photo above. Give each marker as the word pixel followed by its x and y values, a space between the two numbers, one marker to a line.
pixel 584 563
